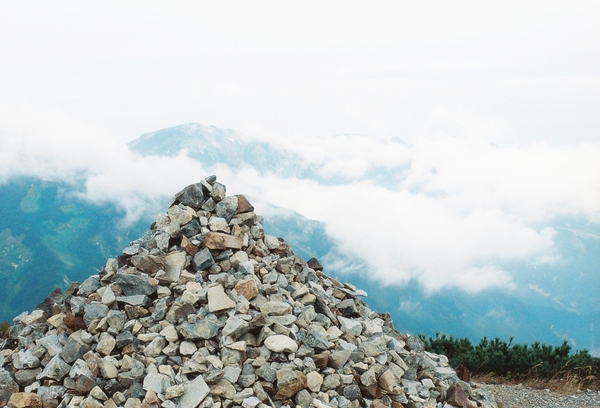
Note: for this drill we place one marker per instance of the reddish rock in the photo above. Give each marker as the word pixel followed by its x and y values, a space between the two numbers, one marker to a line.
pixel 289 382
pixel 321 360
pixel 188 246
pixel 135 312
pixel 25 400
pixel 74 322
pixel 247 288
pixel 219 240
pixel 456 396
pixel 463 373
pixel 244 205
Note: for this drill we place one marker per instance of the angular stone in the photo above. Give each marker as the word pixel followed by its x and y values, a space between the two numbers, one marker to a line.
pixel 271 242
pixel 456 396
pixel 134 284
pixel 192 196
pixel 218 224
pixel 94 311
pixel 275 308
pixel 202 260
pixel 315 340
pixel 25 400
pixel 235 327
pixel 244 205
pixel 227 207
pixel 182 214
pixel 194 393
pixel 206 328
pixel 246 288
pixel 350 326
pixel 337 359
pixel 8 386
pixel 27 377
pixel 389 383
pixel 219 240
pixel 79 368
pixel 106 344
pixel 149 264
pixel 25 359
pixel 314 380
pixel 174 264
pixel 289 382
pixel 223 388
pixel 159 383
pixel 56 369
pixel 313 263
pixel 75 348
pixel 218 300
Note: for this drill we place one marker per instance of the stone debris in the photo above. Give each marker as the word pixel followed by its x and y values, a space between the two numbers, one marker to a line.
pixel 205 310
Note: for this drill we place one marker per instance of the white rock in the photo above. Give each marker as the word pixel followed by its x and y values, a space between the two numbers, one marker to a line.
pixel 218 299
pixel 281 343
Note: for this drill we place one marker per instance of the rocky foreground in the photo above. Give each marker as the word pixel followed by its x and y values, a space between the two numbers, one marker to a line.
pixel 206 310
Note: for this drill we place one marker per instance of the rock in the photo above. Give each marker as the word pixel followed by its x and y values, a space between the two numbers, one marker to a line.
pixel 194 392
pixel 463 373
pixel 202 260
pixel 192 196
pixel 206 310
pixel 149 264
pixel 314 380
pixel 312 263
pixel 218 299
pixel 134 283
pixel 289 382
pixel 456 396
pixel 247 288
pixel 227 207
pixel 25 400
pixel 280 343
pixel 219 240
pixel 174 264
pixel 315 340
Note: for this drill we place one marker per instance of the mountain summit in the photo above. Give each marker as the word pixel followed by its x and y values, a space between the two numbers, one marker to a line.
pixel 205 310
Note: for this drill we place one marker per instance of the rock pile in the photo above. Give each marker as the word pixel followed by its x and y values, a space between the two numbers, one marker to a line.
pixel 206 310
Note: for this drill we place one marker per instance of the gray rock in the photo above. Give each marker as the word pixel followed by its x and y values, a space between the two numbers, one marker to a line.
pixel 174 264
pixel 194 393
pixel 227 208
pixel 135 300
pixel 315 340
pixel 192 196
pixel 134 284
pixel 90 285
pixel 56 369
pixel 206 328
pixel 202 260
pixel 74 349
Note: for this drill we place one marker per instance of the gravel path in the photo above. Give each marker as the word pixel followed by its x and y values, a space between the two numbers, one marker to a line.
pixel 520 396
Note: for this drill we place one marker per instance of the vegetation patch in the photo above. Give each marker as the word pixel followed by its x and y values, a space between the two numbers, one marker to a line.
pixel 540 365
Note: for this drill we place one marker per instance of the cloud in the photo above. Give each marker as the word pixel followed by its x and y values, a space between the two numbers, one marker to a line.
pixel 464 208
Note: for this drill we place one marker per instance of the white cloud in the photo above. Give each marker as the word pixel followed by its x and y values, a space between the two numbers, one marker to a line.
pixel 497 103
pixel 465 207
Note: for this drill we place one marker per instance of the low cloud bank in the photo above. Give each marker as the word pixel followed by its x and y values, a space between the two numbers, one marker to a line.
pixel 463 207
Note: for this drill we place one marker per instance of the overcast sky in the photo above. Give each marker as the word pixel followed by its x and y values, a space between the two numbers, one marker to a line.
pixel 496 104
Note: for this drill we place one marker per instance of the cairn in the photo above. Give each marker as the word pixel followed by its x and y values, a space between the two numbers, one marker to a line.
pixel 205 310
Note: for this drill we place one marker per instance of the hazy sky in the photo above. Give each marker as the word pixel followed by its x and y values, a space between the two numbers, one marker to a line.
pixel 497 105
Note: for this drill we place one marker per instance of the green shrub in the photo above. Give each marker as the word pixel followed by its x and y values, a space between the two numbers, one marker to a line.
pixel 515 360
pixel 4 327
